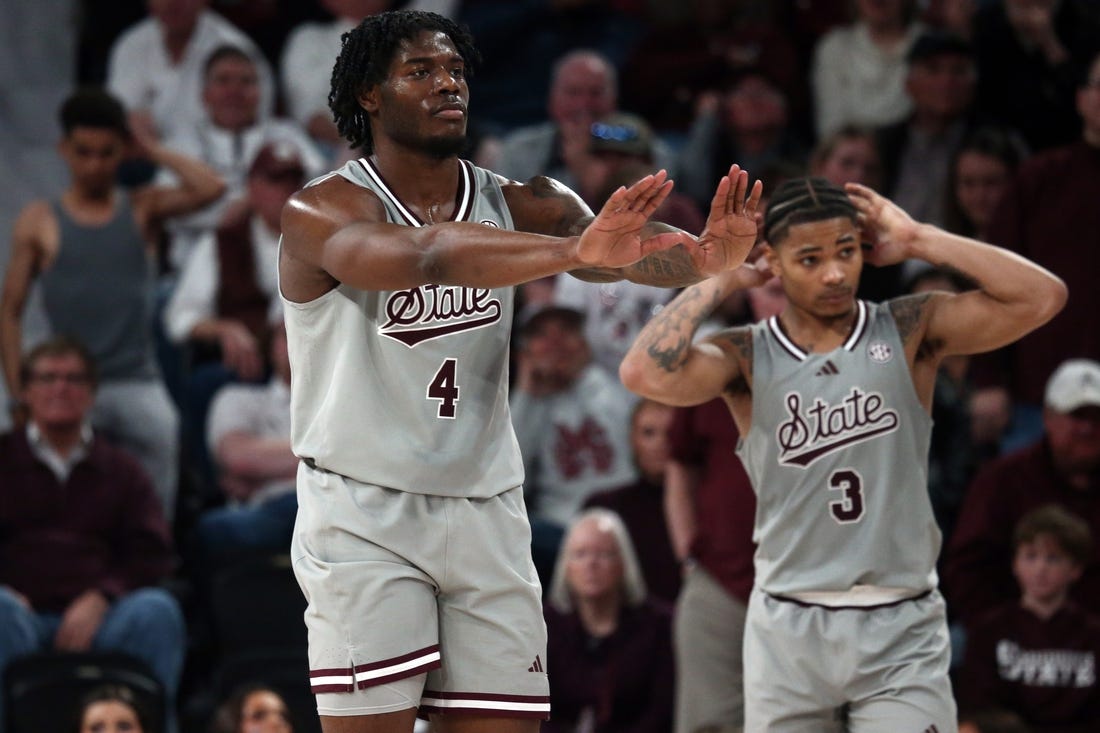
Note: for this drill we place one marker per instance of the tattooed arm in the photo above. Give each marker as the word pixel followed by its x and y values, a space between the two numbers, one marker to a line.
pixel 665 365
pixel 546 207
pixel 1014 296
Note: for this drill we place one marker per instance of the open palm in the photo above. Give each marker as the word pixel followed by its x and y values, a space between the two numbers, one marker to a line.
pixel 730 231
pixel 613 238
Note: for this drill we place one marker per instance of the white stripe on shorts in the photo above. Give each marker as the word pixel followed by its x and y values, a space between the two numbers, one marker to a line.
pixel 519 705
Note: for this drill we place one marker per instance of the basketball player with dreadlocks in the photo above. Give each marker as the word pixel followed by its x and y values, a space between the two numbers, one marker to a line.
pixel 832 398
pixel 411 542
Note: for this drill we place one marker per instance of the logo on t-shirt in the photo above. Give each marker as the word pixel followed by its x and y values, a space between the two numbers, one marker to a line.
pixel 431 311
pixel 810 433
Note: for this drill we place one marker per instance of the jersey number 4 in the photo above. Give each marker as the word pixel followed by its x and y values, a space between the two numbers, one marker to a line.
pixel 849 508
pixel 444 387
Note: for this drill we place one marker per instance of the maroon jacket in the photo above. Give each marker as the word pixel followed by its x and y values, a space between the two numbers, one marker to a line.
pixel 103 528
pixel 725 506
pixel 977 569
pixel 1043 670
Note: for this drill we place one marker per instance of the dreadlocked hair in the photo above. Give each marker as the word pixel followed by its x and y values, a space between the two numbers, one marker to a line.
pixel 365 56
pixel 802 200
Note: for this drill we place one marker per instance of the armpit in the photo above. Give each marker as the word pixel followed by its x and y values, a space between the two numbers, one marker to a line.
pixel 739 343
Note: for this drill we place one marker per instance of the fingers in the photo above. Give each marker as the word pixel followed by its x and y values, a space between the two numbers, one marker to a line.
pixel 733 195
pixel 644 196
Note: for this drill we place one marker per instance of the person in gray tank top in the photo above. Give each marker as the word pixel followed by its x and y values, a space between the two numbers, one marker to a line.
pixel 832 397
pixel 91 254
pixel 397 273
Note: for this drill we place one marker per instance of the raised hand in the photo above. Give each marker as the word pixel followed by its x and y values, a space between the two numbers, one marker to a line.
pixel 884 226
pixel 613 238
pixel 730 231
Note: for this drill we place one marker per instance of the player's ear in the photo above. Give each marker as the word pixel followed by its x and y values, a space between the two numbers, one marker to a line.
pixel 368 98
pixel 772 258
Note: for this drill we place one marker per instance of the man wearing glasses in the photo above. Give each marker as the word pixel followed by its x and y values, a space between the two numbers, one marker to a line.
pixel 83 539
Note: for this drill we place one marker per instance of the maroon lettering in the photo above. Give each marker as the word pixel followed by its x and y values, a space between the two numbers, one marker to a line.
pixel 822 428
pixel 430 311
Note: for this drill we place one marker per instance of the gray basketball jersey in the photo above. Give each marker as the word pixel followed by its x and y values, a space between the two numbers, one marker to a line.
pixel 838 457
pixel 408 389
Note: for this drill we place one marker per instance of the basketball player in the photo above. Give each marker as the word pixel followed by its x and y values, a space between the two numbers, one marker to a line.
pixel 412 542
pixel 832 398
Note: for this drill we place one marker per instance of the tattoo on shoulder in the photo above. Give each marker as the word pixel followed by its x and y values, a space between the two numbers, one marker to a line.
pixel 740 340
pixel 908 312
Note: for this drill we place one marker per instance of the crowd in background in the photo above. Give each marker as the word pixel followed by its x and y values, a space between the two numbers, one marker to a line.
pixel 149 455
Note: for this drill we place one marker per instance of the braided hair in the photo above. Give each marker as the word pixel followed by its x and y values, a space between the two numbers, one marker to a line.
pixel 365 56
pixel 802 200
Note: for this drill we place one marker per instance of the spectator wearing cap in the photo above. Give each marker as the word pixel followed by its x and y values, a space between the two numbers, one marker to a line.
pixel 749 121
pixel 227 138
pixel 583 89
pixel 572 421
pixel 227 294
pixel 1062 468
pixel 916 153
pixel 620 152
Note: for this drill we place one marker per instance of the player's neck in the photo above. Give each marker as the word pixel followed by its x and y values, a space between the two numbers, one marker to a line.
pixel 427 183
pixel 814 333
pixel 1044 608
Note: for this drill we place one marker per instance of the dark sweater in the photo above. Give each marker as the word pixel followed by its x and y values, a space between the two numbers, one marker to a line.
pixel 103 528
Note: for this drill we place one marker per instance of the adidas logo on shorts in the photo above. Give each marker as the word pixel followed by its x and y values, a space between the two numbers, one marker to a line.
pixel 537 666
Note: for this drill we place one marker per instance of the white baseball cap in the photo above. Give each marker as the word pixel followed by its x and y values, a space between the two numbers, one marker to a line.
pixel 1074 384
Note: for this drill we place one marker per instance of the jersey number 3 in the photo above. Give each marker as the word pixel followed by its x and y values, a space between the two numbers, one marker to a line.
pixel 444 388
pixel 849 508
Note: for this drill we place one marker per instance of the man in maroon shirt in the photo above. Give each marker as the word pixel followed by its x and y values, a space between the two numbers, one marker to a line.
pixel 82 534
pixel 1062 468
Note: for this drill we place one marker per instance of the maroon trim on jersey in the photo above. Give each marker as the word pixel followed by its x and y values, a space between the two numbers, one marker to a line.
pixel 492 705
pixel 464 196
pixel 859 327
pixel 805 604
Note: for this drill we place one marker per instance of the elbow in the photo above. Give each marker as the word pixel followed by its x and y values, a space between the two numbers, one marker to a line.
pixel 1054 298
pixel 636 378
pixel 432 263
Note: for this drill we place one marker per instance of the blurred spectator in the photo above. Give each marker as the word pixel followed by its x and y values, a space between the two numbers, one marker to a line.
pixel 83 541
pixel 113 709
pixel 692 47
pixel 916 152
pixel 253 709
pixel 620 152
pixel 748 123
pixel 306 68
pixel 709 508
pixel 249 438
pixel 641 504
pixel 1037 656
pixel 156 66
pixel 583 89
pixel 858 70
pixel 1062 468
pixel 222 304
pixel 847 155
pixel 89 252
pixel 572 420
pixel 981 171
pixel 1049 214
pixel 228 139
pixel 1031 55
pixel 608 646
pixel 951 453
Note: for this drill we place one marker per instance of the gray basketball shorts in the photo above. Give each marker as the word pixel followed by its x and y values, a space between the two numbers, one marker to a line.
pixel 434 598
pixel 881 669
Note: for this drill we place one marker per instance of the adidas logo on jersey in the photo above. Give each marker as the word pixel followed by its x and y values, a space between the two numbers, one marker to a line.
pixel 537 666
pixel 828 368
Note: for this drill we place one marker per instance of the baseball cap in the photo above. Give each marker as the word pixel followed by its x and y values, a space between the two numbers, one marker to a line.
pixel 621 132
pixel 938 43
pixel 278 159
pixel 531 322
pixel 1074 384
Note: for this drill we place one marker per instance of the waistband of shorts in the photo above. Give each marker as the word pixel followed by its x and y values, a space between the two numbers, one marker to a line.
pixel 858 597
